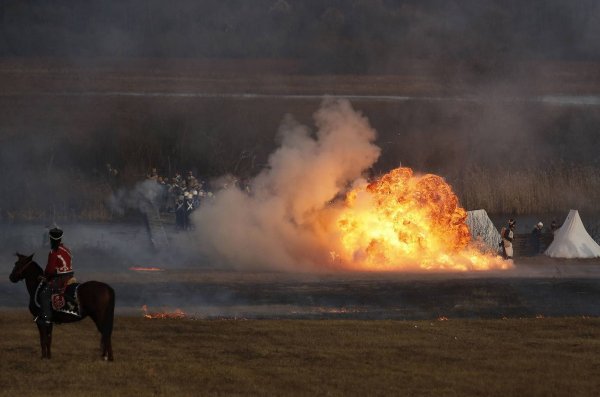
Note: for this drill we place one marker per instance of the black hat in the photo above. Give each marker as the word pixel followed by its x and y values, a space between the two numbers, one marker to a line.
pixel 56 233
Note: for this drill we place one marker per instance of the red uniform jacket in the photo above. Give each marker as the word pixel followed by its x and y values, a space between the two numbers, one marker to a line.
pixel 59 262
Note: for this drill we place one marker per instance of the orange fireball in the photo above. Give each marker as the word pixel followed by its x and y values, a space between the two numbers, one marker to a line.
pixel 407 222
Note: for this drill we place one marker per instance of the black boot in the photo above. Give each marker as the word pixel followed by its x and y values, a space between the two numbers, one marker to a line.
pixel 45 317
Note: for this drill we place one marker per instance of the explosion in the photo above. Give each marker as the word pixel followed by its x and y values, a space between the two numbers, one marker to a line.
pixel 403 221
pixel 292 217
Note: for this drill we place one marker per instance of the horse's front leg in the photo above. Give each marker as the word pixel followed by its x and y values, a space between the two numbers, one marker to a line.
pixel 44 338
pixel 42 341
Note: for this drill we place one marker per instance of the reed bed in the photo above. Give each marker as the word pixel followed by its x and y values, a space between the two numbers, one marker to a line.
pixel 554 189
pixel 551 189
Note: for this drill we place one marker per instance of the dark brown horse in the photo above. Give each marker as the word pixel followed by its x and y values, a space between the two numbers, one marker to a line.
pixel 96 300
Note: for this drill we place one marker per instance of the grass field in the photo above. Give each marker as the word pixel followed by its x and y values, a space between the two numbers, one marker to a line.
pixel 512 357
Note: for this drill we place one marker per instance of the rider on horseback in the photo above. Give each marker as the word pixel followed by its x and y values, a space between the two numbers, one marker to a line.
pixel 57 275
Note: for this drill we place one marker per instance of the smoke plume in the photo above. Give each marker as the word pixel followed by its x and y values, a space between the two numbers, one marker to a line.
pixel 137 198
pixel 282 221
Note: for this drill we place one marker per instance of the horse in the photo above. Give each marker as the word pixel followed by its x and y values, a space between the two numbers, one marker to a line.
pixel 96 299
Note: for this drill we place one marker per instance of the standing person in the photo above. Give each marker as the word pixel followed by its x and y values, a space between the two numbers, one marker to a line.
pixel 189 208
pixel 508 235
pixel 553 226
pixel 58 272
pixel 112 174
pixel 536 238
pixel 174 193
pixel 177 178
pixel 179 213
pixel 153 174
pixel 195 199
pixel 192 182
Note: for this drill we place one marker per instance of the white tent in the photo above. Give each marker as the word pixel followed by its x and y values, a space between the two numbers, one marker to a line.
pixel 572 240
pixel 482 229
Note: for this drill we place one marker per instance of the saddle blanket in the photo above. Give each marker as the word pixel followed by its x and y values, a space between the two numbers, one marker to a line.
pixel 64 300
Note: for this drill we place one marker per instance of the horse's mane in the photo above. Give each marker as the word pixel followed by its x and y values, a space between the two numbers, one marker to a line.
pixel 36 266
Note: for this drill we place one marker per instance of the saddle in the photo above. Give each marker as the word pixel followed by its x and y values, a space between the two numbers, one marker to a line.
pixel 64 300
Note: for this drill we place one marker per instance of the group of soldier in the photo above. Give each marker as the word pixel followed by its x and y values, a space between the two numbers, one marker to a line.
pixel 181 195
pixel 507 234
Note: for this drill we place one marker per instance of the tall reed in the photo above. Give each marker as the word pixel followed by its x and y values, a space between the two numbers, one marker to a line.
pixel 557 187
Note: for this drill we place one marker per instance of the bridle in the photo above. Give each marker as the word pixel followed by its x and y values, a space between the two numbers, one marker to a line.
pixel 22 269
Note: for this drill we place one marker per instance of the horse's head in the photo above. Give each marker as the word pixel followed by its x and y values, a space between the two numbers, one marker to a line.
pixel 21 265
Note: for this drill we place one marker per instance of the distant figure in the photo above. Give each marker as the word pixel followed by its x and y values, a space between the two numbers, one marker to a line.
pixel 553 226
pixel 192 182
pixel 179 213
pixel 177 178
pixel 57 274
pixel 508 235
pixel 112 175
pixel 188 203
pixel 195 199
pixel 153 174
pixel 536 238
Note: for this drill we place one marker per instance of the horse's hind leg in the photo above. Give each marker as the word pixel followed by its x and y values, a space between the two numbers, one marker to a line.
pixel 102 313
pixel 107 353
pixel 45 340
pixel 105 333
pixel 107 326
pixel 104 324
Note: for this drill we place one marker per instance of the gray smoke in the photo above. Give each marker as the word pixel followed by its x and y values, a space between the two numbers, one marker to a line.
pixel 281 224
pixel 147 192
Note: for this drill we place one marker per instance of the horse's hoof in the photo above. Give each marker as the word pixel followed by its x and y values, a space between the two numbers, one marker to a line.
pixel 105 358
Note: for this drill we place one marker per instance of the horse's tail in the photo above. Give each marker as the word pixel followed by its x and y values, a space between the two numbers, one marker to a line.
pixel 110 313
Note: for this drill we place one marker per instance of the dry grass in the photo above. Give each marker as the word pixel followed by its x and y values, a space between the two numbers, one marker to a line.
pixel 512 357
pixel 275 76
pixel 213 135
pixel 555 189
pixel 531 191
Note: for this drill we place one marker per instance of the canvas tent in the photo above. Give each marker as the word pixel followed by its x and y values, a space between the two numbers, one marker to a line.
pixel 482 228
pixel 572 240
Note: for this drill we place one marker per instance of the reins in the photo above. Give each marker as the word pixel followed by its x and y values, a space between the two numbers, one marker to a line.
pixel 23 269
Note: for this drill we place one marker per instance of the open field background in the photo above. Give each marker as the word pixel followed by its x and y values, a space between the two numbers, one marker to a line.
pixel 536 286
pixel 515 357
pixel 499 98
pixel 523 144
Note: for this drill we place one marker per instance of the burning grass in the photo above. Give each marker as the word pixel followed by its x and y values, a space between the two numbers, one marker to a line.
pixel 176 314
pixel 549 356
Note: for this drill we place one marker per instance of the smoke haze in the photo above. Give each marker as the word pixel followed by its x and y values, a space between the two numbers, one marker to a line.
pixel 200 85
pixel 277 225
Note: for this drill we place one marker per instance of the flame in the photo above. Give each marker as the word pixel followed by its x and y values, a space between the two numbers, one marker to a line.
pixel 407 222
pixel 178 313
